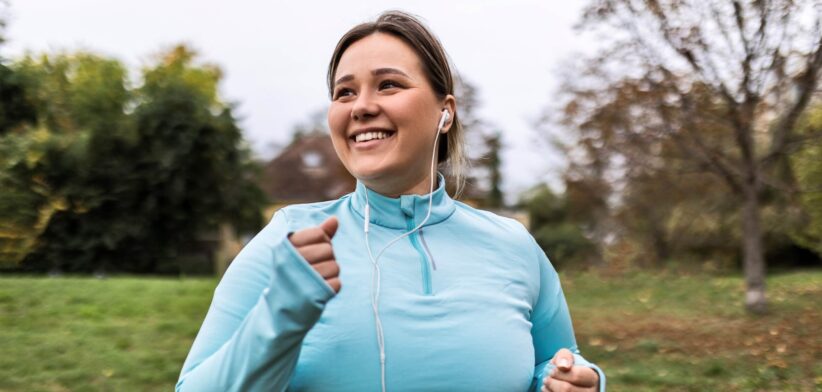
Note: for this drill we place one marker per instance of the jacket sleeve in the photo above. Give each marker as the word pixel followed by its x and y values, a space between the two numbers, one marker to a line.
pixel 265 304
pixel 551 328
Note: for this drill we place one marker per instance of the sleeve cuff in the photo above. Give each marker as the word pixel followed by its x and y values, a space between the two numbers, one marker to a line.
pixel 579 360
pixel 295 281
pixel 291 255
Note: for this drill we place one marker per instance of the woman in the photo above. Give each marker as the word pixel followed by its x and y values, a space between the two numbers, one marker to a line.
pixel 395 286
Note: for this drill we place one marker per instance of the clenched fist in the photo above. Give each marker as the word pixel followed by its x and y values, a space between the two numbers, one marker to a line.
pixel 314 245
pixel 569 377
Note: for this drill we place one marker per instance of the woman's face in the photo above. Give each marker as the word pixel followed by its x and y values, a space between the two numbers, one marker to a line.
pixel 384 114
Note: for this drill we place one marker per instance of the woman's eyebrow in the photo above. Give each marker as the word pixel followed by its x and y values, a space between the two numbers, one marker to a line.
pixel 383 71
pixel 344 79
pixel 376 72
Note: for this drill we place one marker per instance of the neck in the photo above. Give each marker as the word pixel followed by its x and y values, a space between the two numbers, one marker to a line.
pixel 420 186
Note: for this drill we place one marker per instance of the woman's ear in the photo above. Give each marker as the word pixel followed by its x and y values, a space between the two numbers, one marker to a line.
pixel 450 104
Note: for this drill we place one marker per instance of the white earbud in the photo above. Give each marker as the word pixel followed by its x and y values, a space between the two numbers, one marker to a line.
pixel 443 119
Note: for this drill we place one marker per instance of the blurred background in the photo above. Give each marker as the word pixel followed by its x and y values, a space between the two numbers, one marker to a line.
pixel 666 155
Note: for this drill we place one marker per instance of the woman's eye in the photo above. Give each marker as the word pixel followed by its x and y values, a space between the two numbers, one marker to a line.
pixel 389 84
pixel 343 92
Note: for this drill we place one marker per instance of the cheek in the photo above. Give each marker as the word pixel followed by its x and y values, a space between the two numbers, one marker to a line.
pixel 416 113
pixel 337 120
pixel 337 124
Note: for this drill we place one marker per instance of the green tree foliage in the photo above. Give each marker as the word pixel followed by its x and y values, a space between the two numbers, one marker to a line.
pixel 75 93
pixel 122 178
pixel 14 109
pixel 33 156
pixel 807 164
pixel 556 230
pixel 28 201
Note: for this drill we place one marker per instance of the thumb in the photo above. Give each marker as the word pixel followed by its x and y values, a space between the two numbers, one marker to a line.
pixel 563 359
pixel 329 226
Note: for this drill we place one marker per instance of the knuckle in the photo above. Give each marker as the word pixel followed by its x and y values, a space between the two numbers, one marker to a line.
pixel 305 234
pixel 308 251
pixel 318 268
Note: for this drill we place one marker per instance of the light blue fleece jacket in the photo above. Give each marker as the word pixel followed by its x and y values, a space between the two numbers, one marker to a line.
pixel 468 303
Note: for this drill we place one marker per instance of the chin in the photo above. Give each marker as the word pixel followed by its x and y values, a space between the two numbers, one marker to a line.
pixel 369 172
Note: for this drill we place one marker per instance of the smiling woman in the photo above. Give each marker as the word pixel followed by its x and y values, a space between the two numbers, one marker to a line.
pixel 455 298
pixel 383 115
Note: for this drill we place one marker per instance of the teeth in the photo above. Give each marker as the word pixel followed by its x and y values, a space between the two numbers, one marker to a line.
pixel 364 137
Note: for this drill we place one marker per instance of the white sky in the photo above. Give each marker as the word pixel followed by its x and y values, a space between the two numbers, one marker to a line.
pixel 274 55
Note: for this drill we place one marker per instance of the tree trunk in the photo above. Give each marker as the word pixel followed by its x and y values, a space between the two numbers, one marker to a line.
pixel 752 252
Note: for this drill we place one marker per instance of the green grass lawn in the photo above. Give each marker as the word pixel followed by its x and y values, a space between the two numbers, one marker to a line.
pixel 650 332
pixel 668 332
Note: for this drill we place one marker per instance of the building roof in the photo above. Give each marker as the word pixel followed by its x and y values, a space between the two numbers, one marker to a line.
pixel 308 170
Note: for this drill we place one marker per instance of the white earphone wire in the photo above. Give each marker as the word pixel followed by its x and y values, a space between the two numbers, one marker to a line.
pixel 375 277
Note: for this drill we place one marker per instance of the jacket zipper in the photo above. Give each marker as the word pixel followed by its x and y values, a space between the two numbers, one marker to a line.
pixel 428 251
pixel 425 267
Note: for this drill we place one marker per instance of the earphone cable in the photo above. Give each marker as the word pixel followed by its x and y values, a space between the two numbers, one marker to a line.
pixel 375 276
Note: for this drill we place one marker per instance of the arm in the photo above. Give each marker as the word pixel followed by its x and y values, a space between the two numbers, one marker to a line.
pixel 262 309
pixel 552 329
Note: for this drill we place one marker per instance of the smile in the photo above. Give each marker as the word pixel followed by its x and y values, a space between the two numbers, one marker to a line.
pixel 364 137
pixel 371 136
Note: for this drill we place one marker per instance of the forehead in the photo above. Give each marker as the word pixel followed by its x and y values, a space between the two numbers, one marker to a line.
pixel 379 50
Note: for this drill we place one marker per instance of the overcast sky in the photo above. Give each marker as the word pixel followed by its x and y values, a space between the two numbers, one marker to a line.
pixel 274 54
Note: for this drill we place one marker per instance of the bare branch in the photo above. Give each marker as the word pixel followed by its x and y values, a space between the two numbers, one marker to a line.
pixel 806 85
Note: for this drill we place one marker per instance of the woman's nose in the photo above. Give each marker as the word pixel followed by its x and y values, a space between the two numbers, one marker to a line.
pixel 364 107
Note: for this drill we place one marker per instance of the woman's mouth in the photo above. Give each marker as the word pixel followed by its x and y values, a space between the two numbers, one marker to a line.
pixel 371 138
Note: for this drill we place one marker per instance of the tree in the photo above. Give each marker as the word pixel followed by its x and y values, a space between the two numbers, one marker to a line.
pixel 718 71
pixel 3 12
pixel 122 178
pixel 492 163
pixel 807 163
pixel 14 109
pixel 642 189
pixel 315 124
pixel 556 229
pixel 45 163
pixel 195 169
pixel 483 147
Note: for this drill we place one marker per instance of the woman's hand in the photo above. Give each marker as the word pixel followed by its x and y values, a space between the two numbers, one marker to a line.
pixel 314 245
pixel 567 377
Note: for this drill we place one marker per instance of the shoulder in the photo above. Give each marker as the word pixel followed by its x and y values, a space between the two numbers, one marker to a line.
pixel 296 213
pixel 490 223
pixel 292 218
pixel 507 237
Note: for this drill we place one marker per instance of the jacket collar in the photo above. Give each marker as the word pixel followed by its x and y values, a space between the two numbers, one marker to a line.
pixel 406 211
